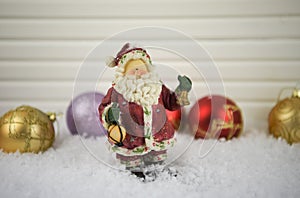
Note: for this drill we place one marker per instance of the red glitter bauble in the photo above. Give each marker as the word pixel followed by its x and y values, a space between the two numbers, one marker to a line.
pixel 174 117
pixel 215 117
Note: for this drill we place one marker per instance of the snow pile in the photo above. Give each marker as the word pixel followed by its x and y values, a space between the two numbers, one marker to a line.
pixel 254 165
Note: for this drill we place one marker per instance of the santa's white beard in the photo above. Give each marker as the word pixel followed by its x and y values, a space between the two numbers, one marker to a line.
pixel 144 91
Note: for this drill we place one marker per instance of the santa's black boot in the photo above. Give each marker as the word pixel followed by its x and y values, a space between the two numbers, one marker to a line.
pixel 138 171
pixel 139 174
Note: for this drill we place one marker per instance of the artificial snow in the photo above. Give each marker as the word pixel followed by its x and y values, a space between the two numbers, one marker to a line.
pixel 253 165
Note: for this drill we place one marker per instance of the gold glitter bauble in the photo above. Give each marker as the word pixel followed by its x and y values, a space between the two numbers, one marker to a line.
pixel 26 129
pixel 284 119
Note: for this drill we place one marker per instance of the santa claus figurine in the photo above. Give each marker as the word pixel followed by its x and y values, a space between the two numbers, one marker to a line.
pixel 134 110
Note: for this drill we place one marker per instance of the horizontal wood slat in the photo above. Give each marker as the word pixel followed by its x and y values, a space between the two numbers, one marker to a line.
pixel 256 91
pixel 219 50
pixel 229 70
pixel 121 9
pixel 203 28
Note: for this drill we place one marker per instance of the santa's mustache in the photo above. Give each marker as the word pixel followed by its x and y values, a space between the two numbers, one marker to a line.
pixel 144 90
pixel 134 77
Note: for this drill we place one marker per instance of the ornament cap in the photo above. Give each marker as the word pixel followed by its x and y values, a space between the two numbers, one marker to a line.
pixel 284 93
pixel 296 93
pixel 52 116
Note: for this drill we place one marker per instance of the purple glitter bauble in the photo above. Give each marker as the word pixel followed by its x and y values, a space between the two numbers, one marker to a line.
pixel 83 117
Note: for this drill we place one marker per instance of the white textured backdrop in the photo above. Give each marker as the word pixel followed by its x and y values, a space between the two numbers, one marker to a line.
pixel 255 44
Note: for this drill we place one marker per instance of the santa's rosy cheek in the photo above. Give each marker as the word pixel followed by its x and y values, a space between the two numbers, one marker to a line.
pixel 142 72
pixel 130 72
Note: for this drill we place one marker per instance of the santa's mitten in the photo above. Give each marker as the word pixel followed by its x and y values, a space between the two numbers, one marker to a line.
pixel 113 114
pixel 185 85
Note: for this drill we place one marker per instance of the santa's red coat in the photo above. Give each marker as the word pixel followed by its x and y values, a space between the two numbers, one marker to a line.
pixel 132 117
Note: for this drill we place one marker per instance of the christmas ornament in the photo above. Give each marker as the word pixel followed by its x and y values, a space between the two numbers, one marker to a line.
pixel 82 115
pixel 175 117
pixel 26 129
pixel 284 118
pixel 215 117
pixel 116 134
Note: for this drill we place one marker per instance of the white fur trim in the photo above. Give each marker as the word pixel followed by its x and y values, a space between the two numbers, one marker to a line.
pixel 105 124
pixel 110 61
pixel 149 141
pixel 135 54
pixel 142 150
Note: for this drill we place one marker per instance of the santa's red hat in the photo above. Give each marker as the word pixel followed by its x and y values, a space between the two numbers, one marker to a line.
pixel 127 53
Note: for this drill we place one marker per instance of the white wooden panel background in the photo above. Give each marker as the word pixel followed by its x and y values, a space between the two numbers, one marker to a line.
pixel 254 43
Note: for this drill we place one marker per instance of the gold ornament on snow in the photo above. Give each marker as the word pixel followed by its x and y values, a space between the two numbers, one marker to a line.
pixel 26 129
pixel 284 119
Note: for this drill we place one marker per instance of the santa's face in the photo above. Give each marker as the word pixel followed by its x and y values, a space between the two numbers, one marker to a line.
pixel 137 83
pixel 136 68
